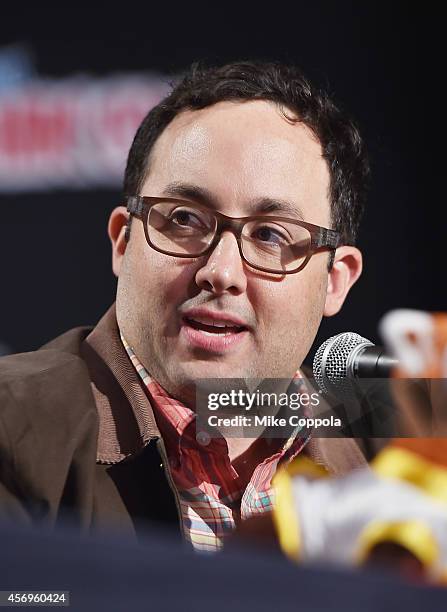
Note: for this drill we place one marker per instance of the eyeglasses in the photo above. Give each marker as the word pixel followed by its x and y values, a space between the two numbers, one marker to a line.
pixel 272 244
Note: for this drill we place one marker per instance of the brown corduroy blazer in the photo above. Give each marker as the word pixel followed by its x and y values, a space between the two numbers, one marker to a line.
pixel 78 437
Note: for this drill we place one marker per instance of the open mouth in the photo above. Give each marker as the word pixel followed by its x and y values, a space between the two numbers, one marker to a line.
pixel 215 328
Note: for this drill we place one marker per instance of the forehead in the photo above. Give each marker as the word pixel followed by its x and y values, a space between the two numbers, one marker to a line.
pixel 241 152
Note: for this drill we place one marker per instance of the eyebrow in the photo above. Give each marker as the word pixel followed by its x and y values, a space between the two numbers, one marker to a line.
pixel 258 206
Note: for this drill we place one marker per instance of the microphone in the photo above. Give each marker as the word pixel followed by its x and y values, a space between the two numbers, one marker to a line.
pixel 348 356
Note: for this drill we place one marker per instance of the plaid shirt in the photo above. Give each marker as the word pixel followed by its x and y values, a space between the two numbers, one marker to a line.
pixel 211 500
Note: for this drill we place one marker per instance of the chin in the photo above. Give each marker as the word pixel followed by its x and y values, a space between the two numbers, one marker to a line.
pixel 210 369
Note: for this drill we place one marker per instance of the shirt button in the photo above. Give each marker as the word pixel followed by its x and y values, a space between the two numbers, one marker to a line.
pixel 203 438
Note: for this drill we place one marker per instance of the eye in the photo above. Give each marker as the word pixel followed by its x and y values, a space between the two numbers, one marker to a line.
pixel 187 218
pixel 271 235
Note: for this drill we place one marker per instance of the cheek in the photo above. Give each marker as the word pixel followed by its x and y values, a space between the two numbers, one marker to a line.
pixel 177 281
pixel 159 284
pixel 290 311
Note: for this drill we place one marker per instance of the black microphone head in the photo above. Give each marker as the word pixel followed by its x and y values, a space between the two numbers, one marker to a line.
pixel 334 361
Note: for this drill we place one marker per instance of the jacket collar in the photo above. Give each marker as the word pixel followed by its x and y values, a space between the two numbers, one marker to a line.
pixel 126 418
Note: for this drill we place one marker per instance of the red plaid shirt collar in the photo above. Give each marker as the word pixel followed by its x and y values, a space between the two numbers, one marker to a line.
pixel 211 499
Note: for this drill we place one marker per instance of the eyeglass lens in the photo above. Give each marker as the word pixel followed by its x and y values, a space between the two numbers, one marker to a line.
pixel 186 230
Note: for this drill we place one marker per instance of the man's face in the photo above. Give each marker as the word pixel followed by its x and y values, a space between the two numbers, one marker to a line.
pixel 239 155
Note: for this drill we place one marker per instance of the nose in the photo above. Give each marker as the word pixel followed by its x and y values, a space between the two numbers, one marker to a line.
pixel 223 271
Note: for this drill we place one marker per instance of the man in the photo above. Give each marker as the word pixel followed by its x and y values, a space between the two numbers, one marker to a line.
pixel 244 190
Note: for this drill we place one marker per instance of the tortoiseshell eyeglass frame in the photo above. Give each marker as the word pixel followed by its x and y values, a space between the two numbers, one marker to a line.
pixel 321 237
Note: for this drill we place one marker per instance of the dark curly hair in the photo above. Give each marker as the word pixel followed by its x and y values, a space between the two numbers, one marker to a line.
pixel 286 86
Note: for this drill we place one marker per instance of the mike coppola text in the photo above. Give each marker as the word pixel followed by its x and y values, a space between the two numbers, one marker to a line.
pixel 271 408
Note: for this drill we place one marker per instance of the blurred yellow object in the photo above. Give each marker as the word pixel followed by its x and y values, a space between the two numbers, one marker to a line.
pixel 284 515
pixel 414 536
pixel 402 464
pixel 401 499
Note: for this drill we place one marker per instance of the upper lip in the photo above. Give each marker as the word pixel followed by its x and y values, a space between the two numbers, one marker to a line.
pixel 209 317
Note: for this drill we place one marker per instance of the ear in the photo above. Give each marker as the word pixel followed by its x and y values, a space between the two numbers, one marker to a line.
pixel 116 230
pixel 346 269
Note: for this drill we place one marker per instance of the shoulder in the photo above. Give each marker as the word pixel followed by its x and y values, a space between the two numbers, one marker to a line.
pixel 32 367
pixel 48 427
pixel 61 354
pixel 47 390
pixel 58 365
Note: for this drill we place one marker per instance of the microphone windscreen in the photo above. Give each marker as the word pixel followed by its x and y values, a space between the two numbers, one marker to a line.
pixel 333 360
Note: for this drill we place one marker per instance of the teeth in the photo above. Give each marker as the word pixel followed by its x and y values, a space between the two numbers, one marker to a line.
pixel 212 322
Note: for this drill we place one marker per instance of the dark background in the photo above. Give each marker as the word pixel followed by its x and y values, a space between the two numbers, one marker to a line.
pixel 383 63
